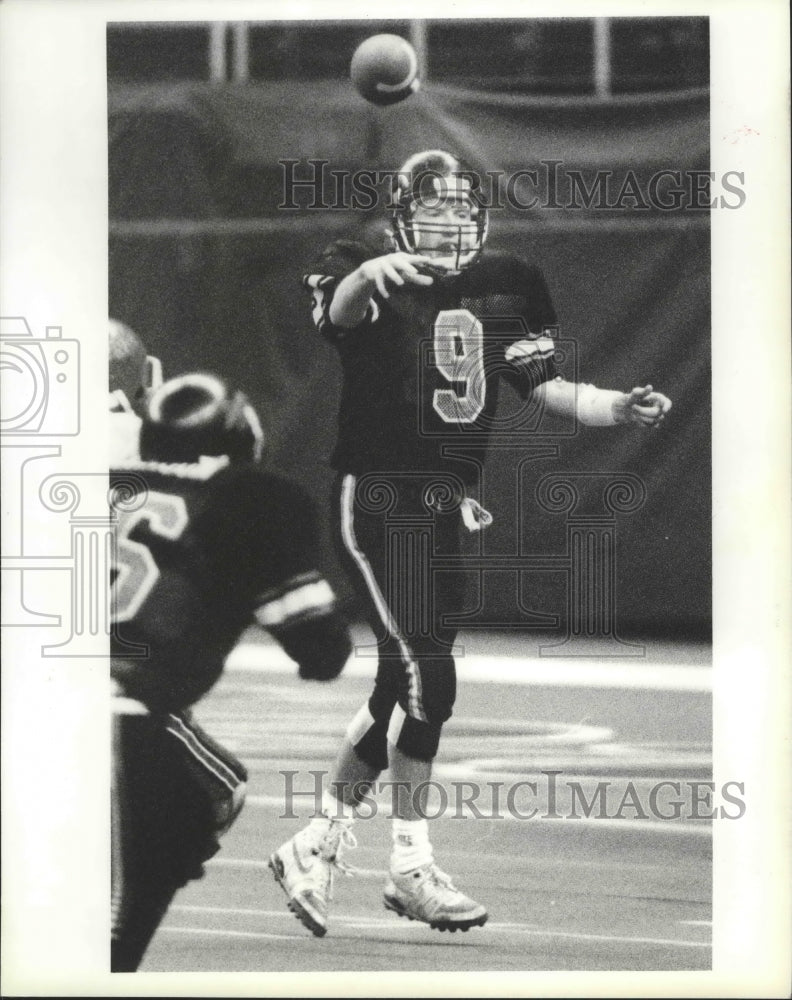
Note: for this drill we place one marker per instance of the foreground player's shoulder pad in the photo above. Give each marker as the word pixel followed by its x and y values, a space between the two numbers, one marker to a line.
pixel 260 511
pixel 287 504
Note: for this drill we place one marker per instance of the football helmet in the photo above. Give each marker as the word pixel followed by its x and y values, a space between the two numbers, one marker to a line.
pixel 133 372
pixel 425 184
pixel 197 414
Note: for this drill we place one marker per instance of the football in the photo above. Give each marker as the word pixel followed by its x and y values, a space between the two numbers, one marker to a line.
pixel 384 69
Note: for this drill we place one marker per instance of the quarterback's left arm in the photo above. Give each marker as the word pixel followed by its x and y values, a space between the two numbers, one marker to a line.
pixel 604 407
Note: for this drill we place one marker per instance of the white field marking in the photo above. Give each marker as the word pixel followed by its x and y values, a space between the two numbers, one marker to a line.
pixel 382 873
pixel 218 932
pixel 696 923
pixel 293 695
pixel 373 925
pixel 239 911
pixel 378 873
pixel 574 936
pixel 233 863
pixel 553 671
pixel 567 733
pixel 612 771
pixel 610 823
pixel 386 923
pixel 472 770
pixel 350 921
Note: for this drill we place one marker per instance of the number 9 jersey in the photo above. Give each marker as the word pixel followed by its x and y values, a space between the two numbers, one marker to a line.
pixel 423 369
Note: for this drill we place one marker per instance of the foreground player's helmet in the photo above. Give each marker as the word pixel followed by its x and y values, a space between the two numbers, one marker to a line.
pixel 133 372
pixel 429 180
pixel 197 414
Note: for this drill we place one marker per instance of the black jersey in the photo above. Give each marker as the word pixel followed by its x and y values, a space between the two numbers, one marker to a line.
pixel 422 371
pixel 200 550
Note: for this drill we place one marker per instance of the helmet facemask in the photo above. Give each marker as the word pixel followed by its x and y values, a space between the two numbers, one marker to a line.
pixel 430 185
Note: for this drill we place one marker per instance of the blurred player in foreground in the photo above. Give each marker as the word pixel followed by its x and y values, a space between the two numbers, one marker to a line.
pixel 487 318
pixel 206 542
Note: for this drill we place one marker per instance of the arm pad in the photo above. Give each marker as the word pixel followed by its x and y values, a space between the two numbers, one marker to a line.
pixel 592 406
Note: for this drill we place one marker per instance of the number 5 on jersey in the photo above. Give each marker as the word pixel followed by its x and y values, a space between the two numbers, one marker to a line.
pixel 459 357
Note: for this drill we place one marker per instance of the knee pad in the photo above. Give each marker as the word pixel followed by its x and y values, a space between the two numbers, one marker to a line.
pixel 415 738
pixel 373 747
pixel 368 735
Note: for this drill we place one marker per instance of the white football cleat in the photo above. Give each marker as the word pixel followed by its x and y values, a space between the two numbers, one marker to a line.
pixel 304 868
pixel 428 894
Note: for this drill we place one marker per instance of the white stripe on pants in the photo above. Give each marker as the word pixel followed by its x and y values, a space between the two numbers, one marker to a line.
pixel 414 700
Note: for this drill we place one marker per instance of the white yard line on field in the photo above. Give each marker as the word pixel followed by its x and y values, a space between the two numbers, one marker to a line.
pixel 552 671
pixel 702 829
pixel 224 932
pixel 387 923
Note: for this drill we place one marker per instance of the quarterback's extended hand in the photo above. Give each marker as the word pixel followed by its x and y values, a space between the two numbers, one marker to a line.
pixel 397 268
pixel 642 406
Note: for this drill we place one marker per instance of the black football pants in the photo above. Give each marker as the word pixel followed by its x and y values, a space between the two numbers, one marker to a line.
pixel 393 530
pixel 163 829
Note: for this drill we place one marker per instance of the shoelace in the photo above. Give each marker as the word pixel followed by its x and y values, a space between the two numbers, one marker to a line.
pixel 346 841
pixel 440 878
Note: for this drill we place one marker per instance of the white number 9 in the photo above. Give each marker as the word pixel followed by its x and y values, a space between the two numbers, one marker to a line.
pixel 459 356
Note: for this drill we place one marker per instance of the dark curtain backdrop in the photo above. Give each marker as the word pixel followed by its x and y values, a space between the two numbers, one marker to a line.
pixel 206 269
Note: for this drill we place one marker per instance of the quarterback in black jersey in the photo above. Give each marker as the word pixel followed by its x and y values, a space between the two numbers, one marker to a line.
pixel 427 334
pixel 424 367
pixel 206 541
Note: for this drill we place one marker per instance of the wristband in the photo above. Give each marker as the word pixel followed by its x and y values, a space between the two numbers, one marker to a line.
pixel 595 406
